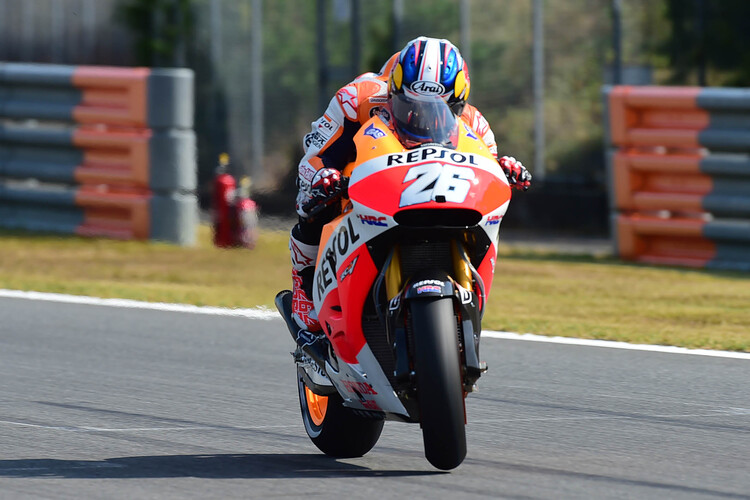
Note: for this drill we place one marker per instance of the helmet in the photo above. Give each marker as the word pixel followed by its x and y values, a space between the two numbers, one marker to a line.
pixel 431 67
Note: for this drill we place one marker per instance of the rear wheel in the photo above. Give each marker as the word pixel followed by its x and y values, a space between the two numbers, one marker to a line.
pixel 439 386
pixel 335 429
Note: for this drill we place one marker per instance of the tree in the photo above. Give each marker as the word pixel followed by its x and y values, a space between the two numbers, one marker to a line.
pixel 712 36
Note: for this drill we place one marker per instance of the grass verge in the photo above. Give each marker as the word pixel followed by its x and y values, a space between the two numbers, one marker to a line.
pixel 551 294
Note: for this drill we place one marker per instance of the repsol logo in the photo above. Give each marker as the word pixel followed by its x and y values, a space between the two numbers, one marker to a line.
pixel 325 127
pixel 338 246
pixel 422 154
pixel 426 87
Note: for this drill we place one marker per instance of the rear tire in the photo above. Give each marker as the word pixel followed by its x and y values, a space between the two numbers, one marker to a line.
pixel 439 385
pixel 335 429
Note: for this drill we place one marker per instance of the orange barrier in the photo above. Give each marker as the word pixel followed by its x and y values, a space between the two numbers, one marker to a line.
pixel 644 182
pixel 115 96
pixel 114 215
pixel 658 240
pixel 116 157
pixel 680 175
pixel 124 160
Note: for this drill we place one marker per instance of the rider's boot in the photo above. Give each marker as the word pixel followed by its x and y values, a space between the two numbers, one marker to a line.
pixel 303 267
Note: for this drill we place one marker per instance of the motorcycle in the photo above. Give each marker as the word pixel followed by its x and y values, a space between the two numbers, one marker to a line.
pixel 400 286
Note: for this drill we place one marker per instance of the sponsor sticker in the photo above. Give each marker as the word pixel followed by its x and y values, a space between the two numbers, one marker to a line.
pixel 426 87
pixel 493 220
pixel 371 404
pixel 338 247
pixel 374 132
pixel 464 294
pixel 324 127
pixel 470 133
pixel 395 303
pixel 306 172
pixel 349 269
pixel 382 112
pixel 429 289
pixel 428 282
pixel 315 139
pixel 427 153
pixel 428 286
pixel 359 388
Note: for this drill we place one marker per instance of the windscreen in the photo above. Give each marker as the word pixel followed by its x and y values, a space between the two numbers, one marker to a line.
pixel 424 120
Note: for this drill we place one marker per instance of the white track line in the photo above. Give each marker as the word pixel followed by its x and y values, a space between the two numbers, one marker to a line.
pixel 614 345
pixel 264 313
pixel 257 313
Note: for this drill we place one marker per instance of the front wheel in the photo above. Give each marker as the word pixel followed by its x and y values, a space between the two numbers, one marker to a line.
pixel 335 429
pixel 439 385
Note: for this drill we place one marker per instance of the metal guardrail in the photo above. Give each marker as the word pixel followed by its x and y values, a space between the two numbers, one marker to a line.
pixel 679 168
pixel 98 151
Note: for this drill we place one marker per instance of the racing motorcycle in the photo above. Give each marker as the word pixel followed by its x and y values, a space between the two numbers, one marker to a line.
pixel 400 286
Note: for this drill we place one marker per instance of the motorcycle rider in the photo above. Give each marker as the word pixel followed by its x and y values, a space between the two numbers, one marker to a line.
pixel 329 147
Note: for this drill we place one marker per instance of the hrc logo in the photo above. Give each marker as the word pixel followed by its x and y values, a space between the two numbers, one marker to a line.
pixel 495 219
pixel 372 220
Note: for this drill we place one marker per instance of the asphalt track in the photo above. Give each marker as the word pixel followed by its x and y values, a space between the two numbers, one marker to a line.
pixel 107 402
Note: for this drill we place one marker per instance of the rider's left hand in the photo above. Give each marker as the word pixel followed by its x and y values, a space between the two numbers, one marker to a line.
pixel 518 176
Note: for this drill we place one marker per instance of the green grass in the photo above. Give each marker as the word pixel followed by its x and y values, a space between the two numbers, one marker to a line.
pixel 580 296
pixel 202 275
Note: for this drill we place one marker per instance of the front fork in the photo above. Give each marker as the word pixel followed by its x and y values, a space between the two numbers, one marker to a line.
pixel 466 288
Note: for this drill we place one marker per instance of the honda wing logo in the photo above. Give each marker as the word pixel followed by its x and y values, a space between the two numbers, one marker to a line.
pixel 374 132
pixel 349 269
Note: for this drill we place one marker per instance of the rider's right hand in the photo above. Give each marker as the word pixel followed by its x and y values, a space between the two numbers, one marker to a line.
pixel 326 188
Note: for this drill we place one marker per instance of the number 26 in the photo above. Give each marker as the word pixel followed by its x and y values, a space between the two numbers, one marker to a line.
pixel 433 180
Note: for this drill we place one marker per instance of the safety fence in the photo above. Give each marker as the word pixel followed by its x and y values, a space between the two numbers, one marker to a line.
pixel 98 151
pixel 679 166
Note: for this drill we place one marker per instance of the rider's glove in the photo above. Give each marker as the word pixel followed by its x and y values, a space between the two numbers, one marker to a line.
pixel 518 176
pixel 326 188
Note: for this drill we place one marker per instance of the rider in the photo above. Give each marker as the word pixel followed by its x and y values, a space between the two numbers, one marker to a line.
pixel 329 147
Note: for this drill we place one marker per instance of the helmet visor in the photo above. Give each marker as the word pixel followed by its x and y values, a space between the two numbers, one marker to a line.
pixel 424 120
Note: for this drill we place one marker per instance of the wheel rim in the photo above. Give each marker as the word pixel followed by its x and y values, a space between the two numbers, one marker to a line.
pixel 316 406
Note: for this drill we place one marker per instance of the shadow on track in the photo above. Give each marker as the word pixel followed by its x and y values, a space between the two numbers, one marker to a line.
pixel 227 466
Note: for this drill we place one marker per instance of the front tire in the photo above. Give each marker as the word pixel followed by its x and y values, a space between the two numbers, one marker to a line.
pixel 335 429
pixel 439 385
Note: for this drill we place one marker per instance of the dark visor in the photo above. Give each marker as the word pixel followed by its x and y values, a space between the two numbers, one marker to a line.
pixel 423 120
